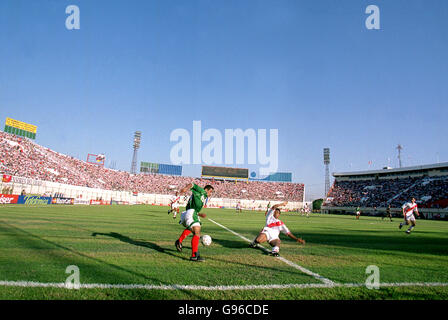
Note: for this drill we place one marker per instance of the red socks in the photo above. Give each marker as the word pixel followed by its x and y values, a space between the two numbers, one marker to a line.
pixel 194 245
pixel 194 241
pixel 184 235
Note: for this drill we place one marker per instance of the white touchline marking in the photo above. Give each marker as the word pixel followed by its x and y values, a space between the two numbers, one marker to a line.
pixel 62 285
pixel 290 263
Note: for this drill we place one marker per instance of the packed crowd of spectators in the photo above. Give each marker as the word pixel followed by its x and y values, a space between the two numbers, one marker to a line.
pixel 24 158
pixel 429 192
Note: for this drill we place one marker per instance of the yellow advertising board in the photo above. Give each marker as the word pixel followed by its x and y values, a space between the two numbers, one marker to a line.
pixel 21 125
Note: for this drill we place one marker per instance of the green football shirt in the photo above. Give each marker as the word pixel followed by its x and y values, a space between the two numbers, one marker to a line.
pixel 197 198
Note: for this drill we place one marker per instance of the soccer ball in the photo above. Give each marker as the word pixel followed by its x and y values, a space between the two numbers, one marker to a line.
pixel 206 240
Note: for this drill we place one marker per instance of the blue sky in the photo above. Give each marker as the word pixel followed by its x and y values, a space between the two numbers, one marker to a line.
pixel 310 69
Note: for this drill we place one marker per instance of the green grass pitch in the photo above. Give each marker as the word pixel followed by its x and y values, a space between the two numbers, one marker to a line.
pixel 135 245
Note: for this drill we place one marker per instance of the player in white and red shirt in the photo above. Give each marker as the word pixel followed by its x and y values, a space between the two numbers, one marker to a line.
pixel 409 209
pixel 271 231
pixel 174 205
pixel 238 207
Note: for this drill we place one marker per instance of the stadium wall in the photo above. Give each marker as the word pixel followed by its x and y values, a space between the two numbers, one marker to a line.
pixel 84 195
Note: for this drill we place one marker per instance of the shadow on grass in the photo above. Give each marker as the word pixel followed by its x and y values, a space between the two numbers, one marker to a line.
pixel 238 244
pixel 227 243
pixel 418 242
pixel 144 244
pixel 30 241
pixel 234 244
pixel 412 243
pixel 147 215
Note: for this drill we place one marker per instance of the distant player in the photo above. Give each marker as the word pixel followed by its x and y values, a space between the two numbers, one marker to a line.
pixel 388 214
pixel 174 205
pixel 307 211
pixel 358 213
pixel 271 231
pixel 190 217
pixel 409 209
pixel 238 207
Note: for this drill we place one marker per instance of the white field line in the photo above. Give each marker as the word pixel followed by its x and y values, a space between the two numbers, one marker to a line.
pixel 61 285
pixel 290 263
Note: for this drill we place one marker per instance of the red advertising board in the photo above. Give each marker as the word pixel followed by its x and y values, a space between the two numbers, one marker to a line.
pixel 8 198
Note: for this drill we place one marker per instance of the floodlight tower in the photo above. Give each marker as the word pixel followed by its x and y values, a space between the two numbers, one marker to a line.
pixel 327 170
pixel 137 140
pixel 399 148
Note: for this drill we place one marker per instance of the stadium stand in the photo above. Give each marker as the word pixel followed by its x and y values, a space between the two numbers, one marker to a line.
pixel 24 158
pixel 427 184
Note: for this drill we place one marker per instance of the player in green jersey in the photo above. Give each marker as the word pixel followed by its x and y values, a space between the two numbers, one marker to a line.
pixel 190 217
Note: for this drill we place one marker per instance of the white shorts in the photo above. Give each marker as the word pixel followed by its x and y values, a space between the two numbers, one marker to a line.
pixel 410 217
pixel 175 206
pixel 271 233
pixel 189 219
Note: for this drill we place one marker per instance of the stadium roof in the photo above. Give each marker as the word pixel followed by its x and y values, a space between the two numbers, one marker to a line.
pixel 443 165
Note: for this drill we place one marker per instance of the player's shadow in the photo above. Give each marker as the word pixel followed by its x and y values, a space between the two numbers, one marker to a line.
pixel 146 215
pixel 237 244
pixel 31 240
pixel 145 244
pixel 234 244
